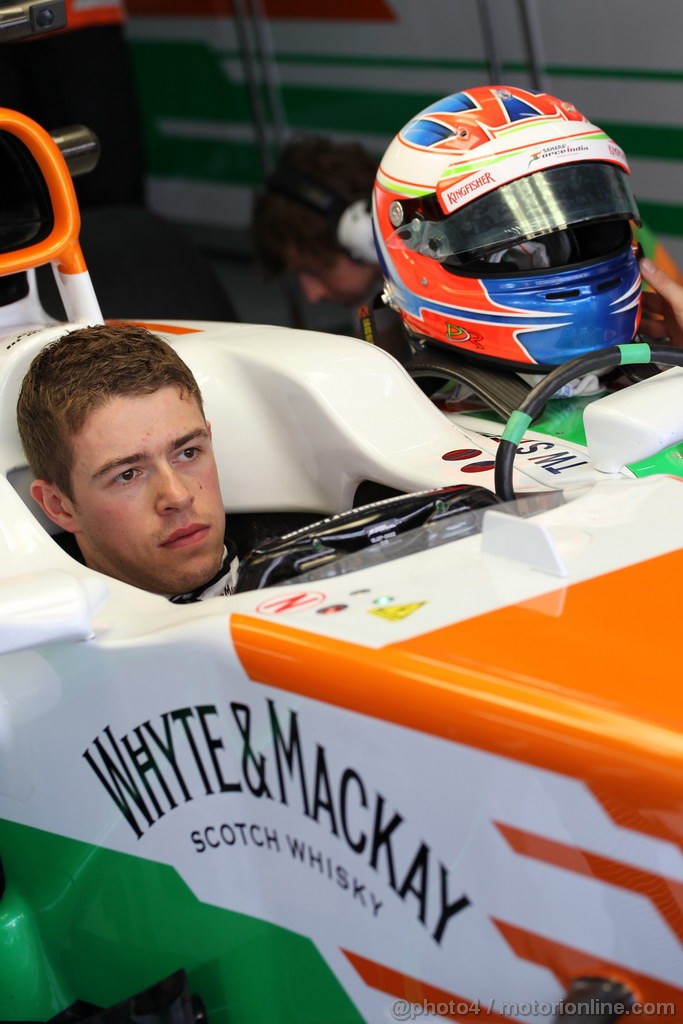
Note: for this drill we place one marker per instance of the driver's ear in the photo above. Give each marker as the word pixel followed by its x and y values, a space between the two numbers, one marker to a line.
pixel 55 505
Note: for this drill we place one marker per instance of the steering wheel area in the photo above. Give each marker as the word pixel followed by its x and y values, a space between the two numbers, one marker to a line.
pixel 320 546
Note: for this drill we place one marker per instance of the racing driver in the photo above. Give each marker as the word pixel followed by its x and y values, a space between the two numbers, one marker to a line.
pixel 112 423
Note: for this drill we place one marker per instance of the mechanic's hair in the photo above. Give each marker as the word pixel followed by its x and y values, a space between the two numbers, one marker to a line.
pixel 280 224
pixel 80 372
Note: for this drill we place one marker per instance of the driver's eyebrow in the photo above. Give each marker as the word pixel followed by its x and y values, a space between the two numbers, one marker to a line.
pixel 180 442
pixel 130 460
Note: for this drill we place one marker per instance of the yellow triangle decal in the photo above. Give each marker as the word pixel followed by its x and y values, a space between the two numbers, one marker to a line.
pixel 396 612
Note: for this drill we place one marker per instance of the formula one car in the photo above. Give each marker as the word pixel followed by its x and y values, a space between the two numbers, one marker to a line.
pixel 426 762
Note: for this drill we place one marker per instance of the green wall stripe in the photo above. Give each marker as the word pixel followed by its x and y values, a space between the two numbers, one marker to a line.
pixel 183 80
pixel 238 163
pixel 515 67
pixel 164 93
pixel 216 162
pixel 663 218
pixel 636 74
pixel 439 63
pixel 659 143
pixel 362 61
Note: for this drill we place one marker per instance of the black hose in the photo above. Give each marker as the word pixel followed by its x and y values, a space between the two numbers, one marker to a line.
pixel 634 353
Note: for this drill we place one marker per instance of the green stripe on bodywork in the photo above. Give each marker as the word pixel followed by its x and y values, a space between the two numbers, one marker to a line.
pixel 561 418
pixel 81 922
pixel 670 462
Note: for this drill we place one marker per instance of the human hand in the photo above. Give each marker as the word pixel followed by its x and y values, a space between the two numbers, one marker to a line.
pixel 662 308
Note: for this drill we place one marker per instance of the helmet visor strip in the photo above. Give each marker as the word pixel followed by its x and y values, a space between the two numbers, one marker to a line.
pixel 520 211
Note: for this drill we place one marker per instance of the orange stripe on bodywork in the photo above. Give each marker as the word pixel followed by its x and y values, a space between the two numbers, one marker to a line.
pixel 665 893
pixel 168 328
pixel 567 964
pixel 403 986
pixel 568 694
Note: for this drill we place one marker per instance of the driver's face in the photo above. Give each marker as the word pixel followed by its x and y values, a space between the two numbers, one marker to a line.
pixel 147 507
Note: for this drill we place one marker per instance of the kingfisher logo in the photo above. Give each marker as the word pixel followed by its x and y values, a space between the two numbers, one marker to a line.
pixel 455 195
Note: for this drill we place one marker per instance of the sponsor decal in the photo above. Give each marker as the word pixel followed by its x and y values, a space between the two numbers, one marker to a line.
pixel 454 196
pixel 397 612
pixel 301 601
pixel 552 458
pixel 479 467
pixel 461 454
pixel 458 334
pixel 464 454
pixel 559 151
pixel 261 752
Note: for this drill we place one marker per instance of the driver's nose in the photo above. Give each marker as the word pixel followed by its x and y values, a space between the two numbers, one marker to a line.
pixel 173 493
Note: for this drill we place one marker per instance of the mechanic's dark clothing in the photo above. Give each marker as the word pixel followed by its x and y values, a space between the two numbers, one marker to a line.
pixel 220 585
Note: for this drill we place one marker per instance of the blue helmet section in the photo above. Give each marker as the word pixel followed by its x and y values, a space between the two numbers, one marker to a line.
pixel 591 306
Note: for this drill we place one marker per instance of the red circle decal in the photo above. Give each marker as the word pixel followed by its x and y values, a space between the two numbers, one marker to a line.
pixel 461 454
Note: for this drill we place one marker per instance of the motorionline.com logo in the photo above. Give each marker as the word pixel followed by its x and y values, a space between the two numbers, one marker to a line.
pixel 403 1009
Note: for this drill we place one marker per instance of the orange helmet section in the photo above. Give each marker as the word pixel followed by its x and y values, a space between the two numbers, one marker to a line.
pixel 61 245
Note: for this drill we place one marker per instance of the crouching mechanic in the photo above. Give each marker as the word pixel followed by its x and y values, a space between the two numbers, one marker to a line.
pixel 112 423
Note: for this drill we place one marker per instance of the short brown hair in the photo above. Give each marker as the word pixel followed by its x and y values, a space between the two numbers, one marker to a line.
pixel 281 225
pixel 80 372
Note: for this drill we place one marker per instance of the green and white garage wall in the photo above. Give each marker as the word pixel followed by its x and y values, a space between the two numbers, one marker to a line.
pixel 224 82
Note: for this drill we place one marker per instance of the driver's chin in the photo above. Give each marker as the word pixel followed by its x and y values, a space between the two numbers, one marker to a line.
pixel 187 578
pixel 179 578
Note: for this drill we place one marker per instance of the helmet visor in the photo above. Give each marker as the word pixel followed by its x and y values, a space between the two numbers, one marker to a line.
pixel 540 203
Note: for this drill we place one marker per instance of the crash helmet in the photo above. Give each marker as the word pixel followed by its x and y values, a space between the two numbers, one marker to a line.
pixel 503 225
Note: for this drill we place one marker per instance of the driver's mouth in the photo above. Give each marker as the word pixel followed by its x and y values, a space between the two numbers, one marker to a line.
pixel 186 536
